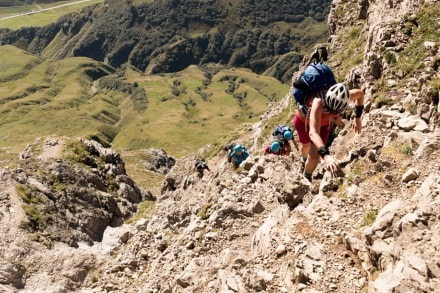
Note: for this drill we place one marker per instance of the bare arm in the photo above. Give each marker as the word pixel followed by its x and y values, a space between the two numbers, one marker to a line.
pixel 315 127
pixel 315 122
pixel 357 96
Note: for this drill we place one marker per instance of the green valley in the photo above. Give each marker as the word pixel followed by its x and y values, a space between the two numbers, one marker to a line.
pixel 184 111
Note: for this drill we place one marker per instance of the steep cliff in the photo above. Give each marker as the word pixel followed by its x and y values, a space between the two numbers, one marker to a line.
pixel 264 228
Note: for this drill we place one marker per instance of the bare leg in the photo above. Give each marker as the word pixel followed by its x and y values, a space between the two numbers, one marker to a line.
pixel 288 147
pixel 305 150
pixel 312 160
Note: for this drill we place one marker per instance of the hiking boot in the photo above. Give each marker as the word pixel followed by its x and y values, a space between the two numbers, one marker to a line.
pixel 307 176
pixel 303 164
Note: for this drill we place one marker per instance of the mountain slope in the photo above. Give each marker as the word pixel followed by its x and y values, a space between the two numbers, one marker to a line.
pixel 82 97
pixel 263 228
pixel 168 36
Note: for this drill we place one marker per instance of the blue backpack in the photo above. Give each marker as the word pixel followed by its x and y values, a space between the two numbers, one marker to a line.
pixel 316 77
pixel 280 129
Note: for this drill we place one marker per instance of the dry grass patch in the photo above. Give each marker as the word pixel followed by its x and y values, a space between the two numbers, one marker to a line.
pixel 145 208
pixel 360 168
pixel 368 219
pixel 399 151
pixel 304 228
pixel 145 179
pixel 352 43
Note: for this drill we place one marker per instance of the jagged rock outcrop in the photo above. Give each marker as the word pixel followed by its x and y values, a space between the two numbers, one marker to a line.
pixel 395 248
pixel 87 192
pixel 262 227
pixel 157 160
pixel 373 229
pixel 63 192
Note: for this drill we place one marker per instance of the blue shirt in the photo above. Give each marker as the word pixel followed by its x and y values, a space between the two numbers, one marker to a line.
pixel 239 158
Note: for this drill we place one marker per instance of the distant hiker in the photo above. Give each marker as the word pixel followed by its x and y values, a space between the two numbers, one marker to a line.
pixel 284 135
pixel 278 148
pixel 238 155
pixel 314 121
pixel 200 166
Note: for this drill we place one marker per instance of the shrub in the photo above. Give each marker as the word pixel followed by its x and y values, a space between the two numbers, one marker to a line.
pixel 406 148
pixel 390 58
pixel 368 218
pixel 36 218
pixel 26 194
pixel 383 101
pixel 203 211
pixel 139 99
pixel 78 152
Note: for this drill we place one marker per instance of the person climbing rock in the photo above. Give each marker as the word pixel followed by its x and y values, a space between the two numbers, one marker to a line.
pixel 277 148
pixel 284 134
pixel 313 124
pixel 200 166
pixel 238 155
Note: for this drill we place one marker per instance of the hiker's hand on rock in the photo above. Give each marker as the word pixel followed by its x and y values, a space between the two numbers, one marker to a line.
pixel 357 125
pixel 331 164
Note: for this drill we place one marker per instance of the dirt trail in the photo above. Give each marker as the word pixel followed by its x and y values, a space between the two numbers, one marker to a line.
pixel 12 215
pixel 52 148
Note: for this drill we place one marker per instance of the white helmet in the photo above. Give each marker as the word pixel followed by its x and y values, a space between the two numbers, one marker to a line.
pixel 337 97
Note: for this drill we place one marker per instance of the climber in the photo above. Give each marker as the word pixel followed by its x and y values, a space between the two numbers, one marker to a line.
pixel 238 155
pixel 200 165
pixel 283 134
pixel 313 123
pixel 278 147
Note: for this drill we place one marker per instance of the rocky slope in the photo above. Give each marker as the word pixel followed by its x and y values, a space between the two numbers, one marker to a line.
pixel 263 228
pixel 62 197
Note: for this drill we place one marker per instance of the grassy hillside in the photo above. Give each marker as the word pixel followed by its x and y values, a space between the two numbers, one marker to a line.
pixel 15 17
pixel 6 3
pixel 139 74
pixel 200 110
pixel 185 110
pixel 267 37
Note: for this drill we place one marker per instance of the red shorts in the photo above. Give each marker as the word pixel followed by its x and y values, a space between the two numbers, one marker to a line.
pixel 303 131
